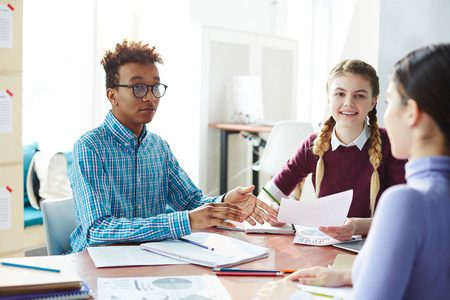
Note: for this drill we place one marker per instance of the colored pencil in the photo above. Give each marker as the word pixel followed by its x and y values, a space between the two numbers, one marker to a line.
pixel 250 270
pixel 30 267
pixel 274 199
pixel 249 273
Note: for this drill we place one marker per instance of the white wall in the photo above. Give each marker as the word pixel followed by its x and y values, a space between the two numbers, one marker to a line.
pixel 256 16
pixel 406 25
pixel 64 94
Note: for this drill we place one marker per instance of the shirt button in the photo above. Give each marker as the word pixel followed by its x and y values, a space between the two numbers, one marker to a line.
pixel 139 180
pixel 140 207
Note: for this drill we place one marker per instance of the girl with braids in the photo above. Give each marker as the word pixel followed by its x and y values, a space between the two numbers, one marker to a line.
pixel 349 152
pixel 407 254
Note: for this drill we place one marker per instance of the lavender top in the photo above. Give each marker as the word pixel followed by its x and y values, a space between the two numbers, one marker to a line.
pixel 407 253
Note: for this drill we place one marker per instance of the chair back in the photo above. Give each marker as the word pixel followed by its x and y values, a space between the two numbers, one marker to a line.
pixel 281 145
pixel 308 192
pixel 59 223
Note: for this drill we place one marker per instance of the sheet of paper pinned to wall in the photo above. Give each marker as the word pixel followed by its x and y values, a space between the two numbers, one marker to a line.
pixel 5 112
pixel 5 208
pixel 6 25
pixel 325 211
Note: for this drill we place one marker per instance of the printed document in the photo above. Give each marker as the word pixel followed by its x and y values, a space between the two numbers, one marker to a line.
pixel 311 236
pixel 173 287
pixel 325 211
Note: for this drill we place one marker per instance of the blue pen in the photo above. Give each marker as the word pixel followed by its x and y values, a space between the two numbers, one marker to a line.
pixel 30 267
pixel 196 244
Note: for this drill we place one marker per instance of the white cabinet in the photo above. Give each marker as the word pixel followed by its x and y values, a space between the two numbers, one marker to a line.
pixel 227 53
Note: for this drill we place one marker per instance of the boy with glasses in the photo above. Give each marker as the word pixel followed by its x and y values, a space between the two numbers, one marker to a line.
pixel 123 176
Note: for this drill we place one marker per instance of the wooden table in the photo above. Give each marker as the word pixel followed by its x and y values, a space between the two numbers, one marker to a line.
pixel 232 128
pixel 283 254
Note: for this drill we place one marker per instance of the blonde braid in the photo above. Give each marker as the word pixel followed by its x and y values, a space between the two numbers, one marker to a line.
pixel 375 157
pixel 322 145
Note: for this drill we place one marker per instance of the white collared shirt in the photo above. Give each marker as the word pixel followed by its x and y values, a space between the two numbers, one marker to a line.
pixel 358 142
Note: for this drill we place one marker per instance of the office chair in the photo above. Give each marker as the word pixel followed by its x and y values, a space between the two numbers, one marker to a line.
pixel 307 192
pixel 283 141
pixel 59 223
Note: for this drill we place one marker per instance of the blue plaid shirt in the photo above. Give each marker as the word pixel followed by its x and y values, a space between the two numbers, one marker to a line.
pixel 121 185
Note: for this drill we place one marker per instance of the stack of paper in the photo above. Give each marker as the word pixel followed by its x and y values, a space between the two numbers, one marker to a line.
pixel 227 251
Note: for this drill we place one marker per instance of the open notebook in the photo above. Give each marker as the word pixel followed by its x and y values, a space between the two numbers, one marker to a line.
pixel 227 251
pixel 261 228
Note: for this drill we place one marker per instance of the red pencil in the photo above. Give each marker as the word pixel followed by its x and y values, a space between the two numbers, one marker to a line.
pixel 249 274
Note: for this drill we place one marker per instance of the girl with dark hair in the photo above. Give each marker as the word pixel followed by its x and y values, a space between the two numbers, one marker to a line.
pixel 407 254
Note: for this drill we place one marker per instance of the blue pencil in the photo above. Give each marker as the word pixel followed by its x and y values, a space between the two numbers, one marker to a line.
pixel 30 267
pixel 196 244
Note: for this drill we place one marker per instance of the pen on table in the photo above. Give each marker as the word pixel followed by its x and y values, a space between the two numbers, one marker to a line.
pixel 274 199
pixel 322 295
pixel 196 244
pixel 30 267
pixel 250 270
pixel 249 273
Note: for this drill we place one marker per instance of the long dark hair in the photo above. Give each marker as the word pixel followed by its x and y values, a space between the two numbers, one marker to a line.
pixel 424 75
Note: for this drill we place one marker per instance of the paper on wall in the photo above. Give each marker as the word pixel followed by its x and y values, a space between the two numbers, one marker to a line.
pixel 5 209
pixel 5 112
pixel 6 26
pixel 325 211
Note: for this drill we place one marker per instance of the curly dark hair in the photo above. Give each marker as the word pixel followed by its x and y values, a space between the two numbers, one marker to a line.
pixel 125 53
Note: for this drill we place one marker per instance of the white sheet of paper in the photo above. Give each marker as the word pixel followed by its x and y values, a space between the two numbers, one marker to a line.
pixel 5 113
pixel 6 26
pixel 344 293
pixel 118 256
pixel 171 287
pixel 325 211
pixel 5 209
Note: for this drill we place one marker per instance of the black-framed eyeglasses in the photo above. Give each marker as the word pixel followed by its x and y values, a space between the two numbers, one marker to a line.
pixel 140 89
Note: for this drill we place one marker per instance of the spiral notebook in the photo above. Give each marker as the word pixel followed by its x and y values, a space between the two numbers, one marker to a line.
pixel 82 293
pixel 227 251
pixel 25 281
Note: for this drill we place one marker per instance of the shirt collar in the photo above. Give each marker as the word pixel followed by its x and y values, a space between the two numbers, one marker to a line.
pixel 358 142
pixel 122 133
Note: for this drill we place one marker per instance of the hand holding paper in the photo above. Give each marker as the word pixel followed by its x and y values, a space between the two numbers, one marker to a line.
pixel 323 212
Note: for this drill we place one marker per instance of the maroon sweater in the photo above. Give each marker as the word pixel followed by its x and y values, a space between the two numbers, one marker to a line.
pixel 345 168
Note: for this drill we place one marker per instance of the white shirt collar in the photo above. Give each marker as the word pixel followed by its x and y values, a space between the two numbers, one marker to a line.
pixel 358 142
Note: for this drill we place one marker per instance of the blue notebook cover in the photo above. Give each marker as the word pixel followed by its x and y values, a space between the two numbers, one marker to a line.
pixel 81 293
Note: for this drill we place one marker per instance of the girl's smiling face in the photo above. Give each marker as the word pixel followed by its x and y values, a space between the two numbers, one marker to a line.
pixel 350 99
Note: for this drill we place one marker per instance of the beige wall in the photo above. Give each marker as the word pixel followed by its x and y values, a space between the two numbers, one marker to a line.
pixel 11 169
